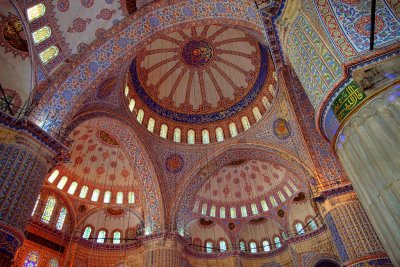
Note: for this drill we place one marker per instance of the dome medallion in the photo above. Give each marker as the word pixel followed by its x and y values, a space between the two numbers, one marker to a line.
pixel 197 53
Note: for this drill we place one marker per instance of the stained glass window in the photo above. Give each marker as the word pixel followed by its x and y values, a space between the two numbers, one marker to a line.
pixel 36 204
pixel 292 185
pixel 61 218
pixel 196 206
pixel 49 53
pixel 72 188
pixel 205 136
pixel 131 197
pixel 299 228
pixel 84 191
pixel 273 201
pixel 245 122
pixel 140 116
pixel 53 176
pixel 233 212
pixel 204 209
pixel 266 246
pixel 190 137
pixel 95 195
pixel 209 247
pixel 242 246
pixel 126 90
pixel 48 210
pixel 177 135
pixel 265 102
pixel 254 209
pixel 117 237
pixel 107 197
pixel 219 133
pixel 287 191
pixel 120 198
pixel 163 131
pixel 101 236
pixel 62 182
pixel 271 89
pixel 253 247
pixel 53 263
pixel 281 196
pixel 32 260
pixel 277 242
pixel 256 113
pixel 243 210
pixel 41 34
pixel 264 205
pixel 222 212
pixel 222 246
pixel 232 129
pixel 151 124
pixel 312 224
pixel 132 104
pixel 87 232
pixel 36 12
pixel 212 211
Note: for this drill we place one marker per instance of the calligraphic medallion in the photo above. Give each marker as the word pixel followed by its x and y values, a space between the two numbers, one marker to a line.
pixel 347 100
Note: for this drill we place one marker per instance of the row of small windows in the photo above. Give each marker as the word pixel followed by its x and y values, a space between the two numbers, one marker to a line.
pixel 191 135
pixel 48 212
pixel 101 237
pixel 85 189
pixel 252 246
pixel 42 34
pixel 243 209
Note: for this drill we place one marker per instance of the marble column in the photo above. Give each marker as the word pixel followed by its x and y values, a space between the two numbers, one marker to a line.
pixel 162 252
pixel 368 146
pixel 353 235
pixel 24 162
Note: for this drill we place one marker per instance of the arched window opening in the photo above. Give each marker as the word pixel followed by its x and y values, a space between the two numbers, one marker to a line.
pixel 49 53
pixel 266 246
pixel 265 102
pixel 36 204
pixel 72 188
pixel 41 34
pixel 205 135
pixel 287 191
pixel 95 195
pixel 312 224
pixel 132 103
pixel 233 212
pixel 253 247
pixel 120 198
pixel 191 137
pixel 271 89
pixel 140 116
pixel 209 247
pixel 273 201
pixel 245 123
pixel 219 134
pixel 117 237
pixel 256 113
pixel 35 12
pixel 299 229
pixel 127 90
pixel 150 125
pixel 281 196
pixel 87 232
pixel 163 131
pixel 242 246
pixel 254 209
pixel 277 242
pixel 196 206
pixel 131 197
pixel 292 185
pixel 264 205
pixel 84 191
pixel 101 236
pixel 32 259
pixel 48 210
pixel 204 209
pixel 222 212
pixel 107 197
pixel 212 211
pixel 61 218
pixel 222 246
pixel 177 135
pixel 53 263
pixel 53 176
pixel 62 182
pixel 232 129
pixel 243 210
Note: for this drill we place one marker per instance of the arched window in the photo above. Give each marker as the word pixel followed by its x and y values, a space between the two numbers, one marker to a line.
pixel 191 137
pixel 61 218
pixel 266 246
pixel 265 102
pixel 53 176
pixel 53 263
pixel 273 201
pixel 32 260
pixel 257 113
pixel 35 12
pixel 299 228
pixel 281 196
pixel 232 129
pixel 219 134
pixel 233 212
pixel 242 246
pixel 163 131
pixel 245 123
pixel 222 212
pixel 212 211
pixel 177 135
pixel 140 116
pixel 95 195
pixel 107 197
pixel 41 34
pixel 49 53
pixel 205 135
pixel 101 236
pixel 254 209
pixel 209 246
pixel 87 232
pixel 287 191
pixel 72 188
pixel 48 210
pixel 84 191
pixel 271 89
pixel 150 125
pixel 277 242
pixel 131 197
pixel 264 205
pixel 132 104
pixel 196 206
pixel 62 182
pixel 222 246
pixel 36 204
pixel 120 198
pixel 253 247
pixel 243 210
pixel 126 90
pixel 312 224
pixel 117 237
pixel 292 185
pixel 204 209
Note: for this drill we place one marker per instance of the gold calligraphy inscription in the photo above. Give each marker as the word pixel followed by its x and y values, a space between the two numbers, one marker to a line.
pixel 347 100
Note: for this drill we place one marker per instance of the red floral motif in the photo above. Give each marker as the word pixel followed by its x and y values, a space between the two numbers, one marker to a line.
pixel 100 170
pixel 125 173
pixel 105 14
pixel 86 170
pixel 93 158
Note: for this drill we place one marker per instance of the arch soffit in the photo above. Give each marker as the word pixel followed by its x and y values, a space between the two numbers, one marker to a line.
pixel 323 257
pixel 122 40
pixel 132 146
pixel 66 200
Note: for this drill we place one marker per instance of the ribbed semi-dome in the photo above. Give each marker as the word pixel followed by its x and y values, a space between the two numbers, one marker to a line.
pixel 199 78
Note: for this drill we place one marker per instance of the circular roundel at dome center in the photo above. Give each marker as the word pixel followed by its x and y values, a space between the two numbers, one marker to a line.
pixel 197 53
